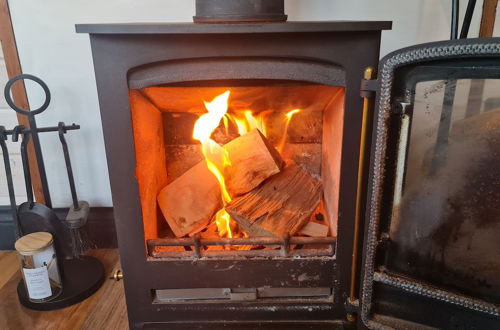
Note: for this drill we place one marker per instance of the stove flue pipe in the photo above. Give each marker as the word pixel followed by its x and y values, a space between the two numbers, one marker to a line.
pixel 231 11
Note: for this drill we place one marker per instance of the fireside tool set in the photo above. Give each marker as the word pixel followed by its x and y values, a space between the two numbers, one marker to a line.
pixel 81 275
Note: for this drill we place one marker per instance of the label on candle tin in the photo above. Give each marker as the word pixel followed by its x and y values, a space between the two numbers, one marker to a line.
pixel 37 282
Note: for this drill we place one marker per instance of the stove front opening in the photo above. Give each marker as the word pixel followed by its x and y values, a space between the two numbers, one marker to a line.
pixel 245 169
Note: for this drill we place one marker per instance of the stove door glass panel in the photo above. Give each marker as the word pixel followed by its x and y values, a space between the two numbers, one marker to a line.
pixel 445 216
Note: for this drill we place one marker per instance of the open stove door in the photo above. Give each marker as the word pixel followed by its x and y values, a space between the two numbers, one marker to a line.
pixel 431 254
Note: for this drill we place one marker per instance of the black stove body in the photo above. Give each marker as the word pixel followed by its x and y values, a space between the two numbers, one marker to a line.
pixel 330 53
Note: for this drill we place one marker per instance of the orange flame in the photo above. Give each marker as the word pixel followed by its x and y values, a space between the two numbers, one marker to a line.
pixel 241 124
pixel 215 156
pixel 290 113
pixel 288 116
pixel 208 122
pixel 248 121
pixel 223 222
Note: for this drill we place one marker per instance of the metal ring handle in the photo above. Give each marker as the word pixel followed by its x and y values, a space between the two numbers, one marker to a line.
pixel 11 103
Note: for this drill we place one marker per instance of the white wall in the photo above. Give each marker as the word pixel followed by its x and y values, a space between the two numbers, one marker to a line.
pixel 8 119
pixel 50 49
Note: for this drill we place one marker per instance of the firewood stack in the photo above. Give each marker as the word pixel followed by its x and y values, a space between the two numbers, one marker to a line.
pixel 270 197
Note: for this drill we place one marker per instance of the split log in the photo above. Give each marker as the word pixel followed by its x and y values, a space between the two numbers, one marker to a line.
pixel 305 126
pixel 314 229
pixel 308 156
pixel 253 159
pixel 210 231
pixel 189 202
pixel 281 206
pixel 317 225
pixel 180 158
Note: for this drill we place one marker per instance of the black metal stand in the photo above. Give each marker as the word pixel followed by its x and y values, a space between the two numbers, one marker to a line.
pixel 81 278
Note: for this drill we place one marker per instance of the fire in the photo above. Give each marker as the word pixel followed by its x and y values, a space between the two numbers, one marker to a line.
pixel 247 122
pixel 208 122
pixel 215 155
pixel 223 222
pixel 288 116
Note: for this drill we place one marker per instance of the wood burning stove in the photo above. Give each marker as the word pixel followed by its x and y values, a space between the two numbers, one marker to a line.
pixel 182 273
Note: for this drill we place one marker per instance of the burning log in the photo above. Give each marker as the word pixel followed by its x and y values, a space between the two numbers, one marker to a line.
pixel 253 159
pixel 306 155
pixel 306 127
pixel 315 229
pixel 317 225
pixel 189 202
pixel 281 206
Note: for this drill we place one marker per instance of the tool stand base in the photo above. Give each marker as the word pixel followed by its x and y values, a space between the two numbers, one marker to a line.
pixel 81 278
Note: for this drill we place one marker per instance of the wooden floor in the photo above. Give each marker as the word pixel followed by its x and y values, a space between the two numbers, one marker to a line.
pixel 103 310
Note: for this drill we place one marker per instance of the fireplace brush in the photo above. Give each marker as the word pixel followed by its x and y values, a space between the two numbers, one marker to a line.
pixel 79 210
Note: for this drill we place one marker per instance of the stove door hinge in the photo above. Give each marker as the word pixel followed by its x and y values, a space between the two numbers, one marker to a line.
pixel 369 87
pixel 351 305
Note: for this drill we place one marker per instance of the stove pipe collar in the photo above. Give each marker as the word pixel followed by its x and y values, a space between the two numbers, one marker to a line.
pixel 233 11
